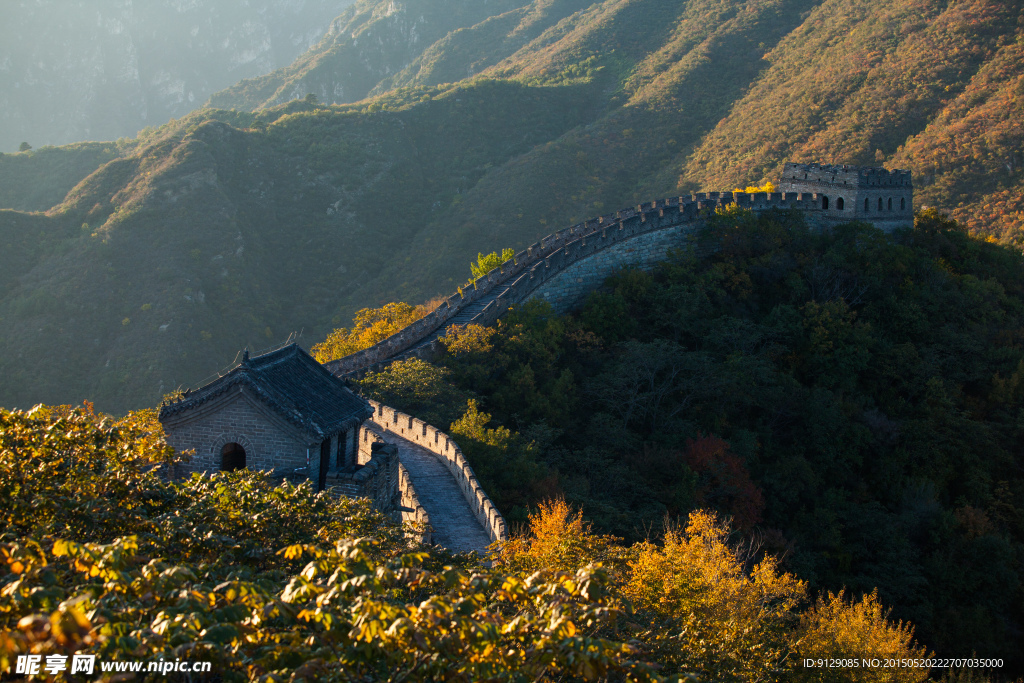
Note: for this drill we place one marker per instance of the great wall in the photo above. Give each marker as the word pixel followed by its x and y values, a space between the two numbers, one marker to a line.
pixel 562 269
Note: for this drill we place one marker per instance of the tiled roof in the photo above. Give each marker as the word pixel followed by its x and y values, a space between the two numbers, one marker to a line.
pixel 291 383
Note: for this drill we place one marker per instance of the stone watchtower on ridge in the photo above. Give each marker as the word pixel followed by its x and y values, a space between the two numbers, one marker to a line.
pixel 862 193
pixel 281 410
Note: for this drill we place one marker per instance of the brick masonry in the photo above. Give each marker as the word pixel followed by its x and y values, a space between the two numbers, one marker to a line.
pixel 419 439
pixel 238 417
pixel 570 287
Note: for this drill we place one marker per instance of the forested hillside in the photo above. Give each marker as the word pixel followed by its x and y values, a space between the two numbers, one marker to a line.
pixel 851 400
pixel 488 124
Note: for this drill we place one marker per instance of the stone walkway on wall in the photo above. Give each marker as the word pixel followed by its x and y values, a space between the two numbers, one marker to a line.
pixel 470 314
pixel 455 525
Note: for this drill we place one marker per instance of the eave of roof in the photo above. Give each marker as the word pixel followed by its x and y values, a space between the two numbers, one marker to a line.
pixel 293 385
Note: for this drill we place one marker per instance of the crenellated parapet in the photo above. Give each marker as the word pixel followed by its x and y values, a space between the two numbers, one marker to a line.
pixel 561 266
pixel 864 193
pixel 515 279
pixel 444 448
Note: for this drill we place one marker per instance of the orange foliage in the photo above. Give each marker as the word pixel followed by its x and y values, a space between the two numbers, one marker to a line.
pixel 558 538
pixel 706 613
pixel 836 629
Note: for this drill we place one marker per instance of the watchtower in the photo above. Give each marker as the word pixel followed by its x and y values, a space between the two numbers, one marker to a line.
pixel 281 410
pixel 863 193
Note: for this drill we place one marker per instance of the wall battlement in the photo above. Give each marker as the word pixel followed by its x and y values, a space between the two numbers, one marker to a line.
pixel 640 234
pixel 448 452
pixel 851 176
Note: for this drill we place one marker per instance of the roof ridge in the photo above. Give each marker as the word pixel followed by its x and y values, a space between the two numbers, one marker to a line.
pixel 315 400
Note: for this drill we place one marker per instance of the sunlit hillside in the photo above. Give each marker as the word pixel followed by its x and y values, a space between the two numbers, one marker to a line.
pixel 488 126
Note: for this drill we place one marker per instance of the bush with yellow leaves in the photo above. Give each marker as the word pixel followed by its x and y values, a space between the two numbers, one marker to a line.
pixel 701 606
pixel 370 326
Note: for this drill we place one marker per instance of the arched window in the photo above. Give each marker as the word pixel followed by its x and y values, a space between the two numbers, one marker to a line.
pixel 879 203
pixel 903 203
pixel 890 203
pixel 839 204
pixel 824 202
pixel 232 457
pixel 867 205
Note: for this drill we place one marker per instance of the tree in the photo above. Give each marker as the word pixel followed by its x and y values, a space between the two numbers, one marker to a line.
pixel 371 325
pixel 836 629
pixel 703 612
pixel 24 147
pixel 417 388
pixel 485 264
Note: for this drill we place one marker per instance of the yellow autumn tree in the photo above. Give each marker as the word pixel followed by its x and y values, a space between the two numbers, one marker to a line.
pixel 769 186
pixel 834 628
pixel 461 339
pixel 703 613
pixel 371 325
pixel 559 539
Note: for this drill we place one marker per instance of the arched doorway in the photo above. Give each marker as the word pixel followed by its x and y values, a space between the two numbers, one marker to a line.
pixel 232 457
pixel 824 202
pixel 839 204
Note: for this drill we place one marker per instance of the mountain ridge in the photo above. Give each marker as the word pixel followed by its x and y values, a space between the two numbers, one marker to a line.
pixel 239 227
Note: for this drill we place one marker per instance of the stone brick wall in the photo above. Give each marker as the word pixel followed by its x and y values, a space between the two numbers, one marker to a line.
pixel 855 185
pixel 381 477
pixel 570 287
pixel 449 453
pixel 412 510
pixel 376 479
pixel 237 417
pixel 517 279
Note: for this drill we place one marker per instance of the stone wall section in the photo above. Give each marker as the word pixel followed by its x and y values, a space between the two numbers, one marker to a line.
pixel 449 453
pixel 515 280
pixel 237 417
pixel 381 477
pixel 412 510
pixel 876 195
pixel 377 479
pixel 570 287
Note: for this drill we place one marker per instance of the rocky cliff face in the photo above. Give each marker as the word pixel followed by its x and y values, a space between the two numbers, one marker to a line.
pixel 74 70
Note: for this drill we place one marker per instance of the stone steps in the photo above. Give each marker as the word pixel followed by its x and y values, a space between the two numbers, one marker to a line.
pixel 455 526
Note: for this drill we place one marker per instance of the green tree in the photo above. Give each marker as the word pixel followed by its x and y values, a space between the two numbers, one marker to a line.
pixel 417 388
pixel 485 264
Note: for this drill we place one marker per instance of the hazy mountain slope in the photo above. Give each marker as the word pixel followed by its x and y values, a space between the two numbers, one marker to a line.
pixel 101 69
pixel 468 51
pixel 40 179
pixel 232 228
pixel 211 237
pixel 370 41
